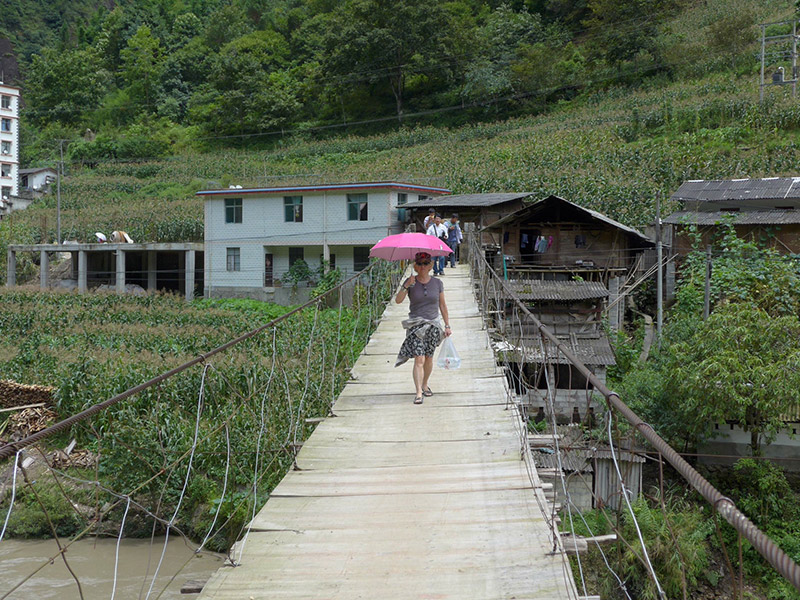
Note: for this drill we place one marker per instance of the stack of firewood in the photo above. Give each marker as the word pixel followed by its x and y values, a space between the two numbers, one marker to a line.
pixel 17 394
pixel 25 422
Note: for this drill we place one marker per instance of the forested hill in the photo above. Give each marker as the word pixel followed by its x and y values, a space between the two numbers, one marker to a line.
pixel 182 70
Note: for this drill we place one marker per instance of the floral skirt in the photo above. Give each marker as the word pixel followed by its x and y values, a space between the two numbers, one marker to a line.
pixel 414 345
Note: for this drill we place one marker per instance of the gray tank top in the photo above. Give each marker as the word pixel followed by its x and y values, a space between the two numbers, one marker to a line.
pixel 424 299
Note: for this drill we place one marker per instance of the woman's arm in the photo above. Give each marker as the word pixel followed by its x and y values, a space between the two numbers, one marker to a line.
pixel 445 314
pixel 403 292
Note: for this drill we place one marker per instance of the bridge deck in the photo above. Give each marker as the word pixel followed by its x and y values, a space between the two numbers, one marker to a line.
pixel 395 500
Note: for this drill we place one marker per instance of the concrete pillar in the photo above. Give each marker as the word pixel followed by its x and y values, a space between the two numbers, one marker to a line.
pixel 82 272
pixel 190 255
pixel 44 269
pixel 120 271
pixel 326 252
pixel 152 270
pixel 11 269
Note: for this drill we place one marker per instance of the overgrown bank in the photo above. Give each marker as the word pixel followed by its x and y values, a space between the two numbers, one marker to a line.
pixel 256 398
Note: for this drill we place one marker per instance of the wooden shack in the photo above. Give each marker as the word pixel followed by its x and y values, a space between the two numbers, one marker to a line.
pixel 567 264
pixel 559 240
pixel 763 210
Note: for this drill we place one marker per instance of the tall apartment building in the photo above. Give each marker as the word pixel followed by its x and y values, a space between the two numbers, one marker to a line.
pixel 9 141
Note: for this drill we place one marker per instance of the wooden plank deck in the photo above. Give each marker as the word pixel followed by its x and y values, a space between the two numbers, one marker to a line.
pixel 394 500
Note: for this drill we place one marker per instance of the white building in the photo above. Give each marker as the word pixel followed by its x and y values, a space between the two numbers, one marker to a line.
pixel 9 141
pixel 36 180
pixel 253 236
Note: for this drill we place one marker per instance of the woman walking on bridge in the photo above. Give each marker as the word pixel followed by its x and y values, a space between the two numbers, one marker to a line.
pixel 424 330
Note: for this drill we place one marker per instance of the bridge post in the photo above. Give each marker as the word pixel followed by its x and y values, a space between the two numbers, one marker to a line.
pixel 189 276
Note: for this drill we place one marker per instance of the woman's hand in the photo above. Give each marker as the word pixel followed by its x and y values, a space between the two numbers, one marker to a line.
pixel 410 282
pixel 447 331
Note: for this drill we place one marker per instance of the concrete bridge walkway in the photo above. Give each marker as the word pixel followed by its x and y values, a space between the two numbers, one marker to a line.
pixel 395 500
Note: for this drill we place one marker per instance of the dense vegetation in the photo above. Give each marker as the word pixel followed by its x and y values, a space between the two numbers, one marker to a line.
pixel 243 67
pixel 93 347
pixel 738 366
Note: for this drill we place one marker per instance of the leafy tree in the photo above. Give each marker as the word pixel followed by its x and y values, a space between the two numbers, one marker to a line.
pixel 385 41
pixel 741 365
pixel 142 64
pixel 619 31
pixel 62 85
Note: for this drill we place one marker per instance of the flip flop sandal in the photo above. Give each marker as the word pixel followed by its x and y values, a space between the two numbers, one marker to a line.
pixel 418 400
pixel 427 392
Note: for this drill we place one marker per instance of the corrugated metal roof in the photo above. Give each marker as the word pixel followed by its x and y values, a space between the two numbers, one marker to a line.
pixel 532 289
pixel 476 200
pixel 750 217
pixel 590 351
pixel 717 190
pixel 537 206
pixel 571 460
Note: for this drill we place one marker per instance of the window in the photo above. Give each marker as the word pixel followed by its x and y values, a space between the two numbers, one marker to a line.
pixel 25 181
pixel 233 210
pixel 234 259
pixel 5 170
pixel 5 102
pixel 296 254
pixel 5 148
pixel 5 192
pixel 5 124
pixel 356 207
pixel 422 197
pixel 402 199
pixel 293 209
pixel 360 258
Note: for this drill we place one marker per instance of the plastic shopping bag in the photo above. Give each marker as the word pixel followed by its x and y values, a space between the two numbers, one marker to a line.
pixel 448 357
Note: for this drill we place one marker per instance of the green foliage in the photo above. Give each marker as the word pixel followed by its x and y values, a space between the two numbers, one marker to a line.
pixel 299 272
pixel 90 347
pixel 677 542
pixel 741 365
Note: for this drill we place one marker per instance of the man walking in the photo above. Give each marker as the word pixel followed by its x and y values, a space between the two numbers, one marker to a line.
pixel 453 238
pixel 438 229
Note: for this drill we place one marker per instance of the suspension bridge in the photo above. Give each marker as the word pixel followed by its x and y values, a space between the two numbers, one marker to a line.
pixel 406 501
pixel 386 497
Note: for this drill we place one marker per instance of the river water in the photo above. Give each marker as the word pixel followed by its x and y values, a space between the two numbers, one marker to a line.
pixel 93 563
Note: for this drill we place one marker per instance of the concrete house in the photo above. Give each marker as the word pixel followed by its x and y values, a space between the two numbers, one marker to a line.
pixel 9 144
pixel 35 180
pixel 253 236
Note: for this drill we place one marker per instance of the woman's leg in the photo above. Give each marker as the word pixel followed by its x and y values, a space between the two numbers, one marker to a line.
pixel 427 369
pixel 419 376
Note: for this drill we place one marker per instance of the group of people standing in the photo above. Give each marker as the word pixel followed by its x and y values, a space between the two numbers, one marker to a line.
pixel 447 231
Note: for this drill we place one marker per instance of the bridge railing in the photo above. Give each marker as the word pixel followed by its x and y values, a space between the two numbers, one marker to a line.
pixel 496 300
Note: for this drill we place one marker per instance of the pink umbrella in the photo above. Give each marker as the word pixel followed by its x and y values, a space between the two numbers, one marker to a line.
pixel 403 246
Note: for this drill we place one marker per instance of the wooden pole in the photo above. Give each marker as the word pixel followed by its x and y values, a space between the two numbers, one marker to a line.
pixel 707 298
pixel 660 275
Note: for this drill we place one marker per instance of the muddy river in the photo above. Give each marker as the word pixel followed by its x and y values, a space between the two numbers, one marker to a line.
pixel 93 563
